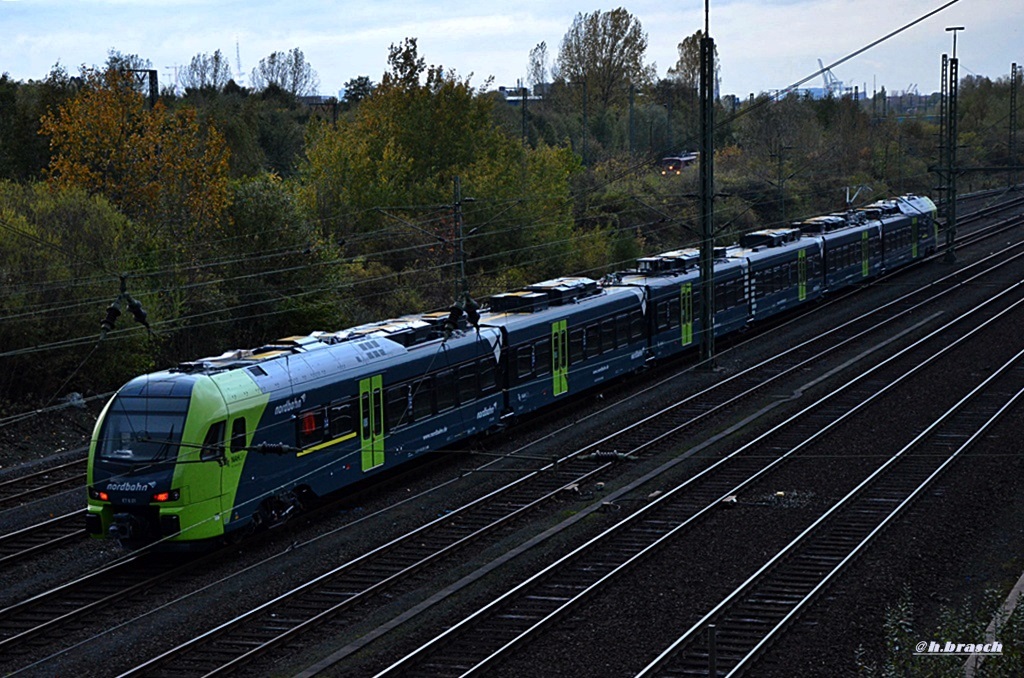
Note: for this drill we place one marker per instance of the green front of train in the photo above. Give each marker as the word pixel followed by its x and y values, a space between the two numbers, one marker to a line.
pixel 167 455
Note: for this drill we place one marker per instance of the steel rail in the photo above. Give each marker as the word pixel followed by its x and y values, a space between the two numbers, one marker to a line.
pixel 35 539
pixel 41 483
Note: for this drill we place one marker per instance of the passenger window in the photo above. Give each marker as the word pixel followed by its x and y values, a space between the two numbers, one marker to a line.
pixel 542 357
pixel 673 313
pixel 422 399
pixel 663 316
pixel 396 405
pixel 468 389
pixel 342 419
pixel 311 427
pixel 593 341
pixel 444 386
pixel 607 335
pixel 575 346
pixel 636 325
pixel 488 376
pixel 622 329
pixel 524 362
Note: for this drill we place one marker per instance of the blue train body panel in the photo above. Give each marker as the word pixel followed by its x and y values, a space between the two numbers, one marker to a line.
pixel 784 269
pixel 565 336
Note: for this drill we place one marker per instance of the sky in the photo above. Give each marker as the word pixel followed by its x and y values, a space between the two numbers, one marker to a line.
pixel 763 45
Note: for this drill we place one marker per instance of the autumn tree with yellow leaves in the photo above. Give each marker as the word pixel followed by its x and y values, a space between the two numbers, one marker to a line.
pixel 162 168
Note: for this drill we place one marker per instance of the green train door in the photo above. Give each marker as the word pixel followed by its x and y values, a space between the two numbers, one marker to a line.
pixel 801 267
pixel 371 421
pixel 865 255
pixel 914 235
pixel 686 313
pixel 559 357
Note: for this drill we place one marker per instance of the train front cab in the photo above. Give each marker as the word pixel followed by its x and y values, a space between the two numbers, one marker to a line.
pixel 564 336
pixel 160 463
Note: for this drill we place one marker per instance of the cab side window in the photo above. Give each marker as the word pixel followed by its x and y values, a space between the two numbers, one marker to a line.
pixel 213 444
pixel 238 434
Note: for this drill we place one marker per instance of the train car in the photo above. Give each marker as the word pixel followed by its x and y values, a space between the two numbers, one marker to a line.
pixel 222 445
pixel 909 228
pixel 784 269
pixel 230 442
pixel 672 287
pixel 851 247
pixel 565 336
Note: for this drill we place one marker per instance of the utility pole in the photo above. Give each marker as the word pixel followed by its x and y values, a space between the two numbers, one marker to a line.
pixel 526 139
pixel 460 251
pixel 140 75
pixel 632 119
pixel 943 159
pixel 1013 123
pixel 585 126
pixel 707 192
pixel 781 155
pixel 951 149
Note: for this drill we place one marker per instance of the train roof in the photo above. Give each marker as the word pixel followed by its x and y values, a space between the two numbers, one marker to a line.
pixel 346 349
pixel 544 301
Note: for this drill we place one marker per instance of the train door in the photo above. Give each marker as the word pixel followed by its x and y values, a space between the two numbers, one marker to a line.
pixel 914 235
pixel 686 313
pixel 865 255
pixel 802 275
pixel 559 357
pixel 371 421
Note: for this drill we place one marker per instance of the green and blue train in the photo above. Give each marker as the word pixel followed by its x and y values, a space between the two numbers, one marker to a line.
pixel 226 444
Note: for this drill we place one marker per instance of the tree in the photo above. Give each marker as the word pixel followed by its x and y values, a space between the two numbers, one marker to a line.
pixel 687 69
pixel 59 262
pixel 161 168
pixel 537 71
pixel 119 61
pixel 404 145
pixel 605 50
pixel 206 72
pixel 288 71
pixel 23 153
pixel 358 89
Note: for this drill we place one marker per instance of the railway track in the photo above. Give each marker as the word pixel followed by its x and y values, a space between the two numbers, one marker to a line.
pixel 476 644
pixel 233 644
pixel 31 624
pixel 42 484
pixel 35 539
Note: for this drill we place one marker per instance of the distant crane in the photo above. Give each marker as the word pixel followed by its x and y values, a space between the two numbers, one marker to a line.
pixel 833 85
